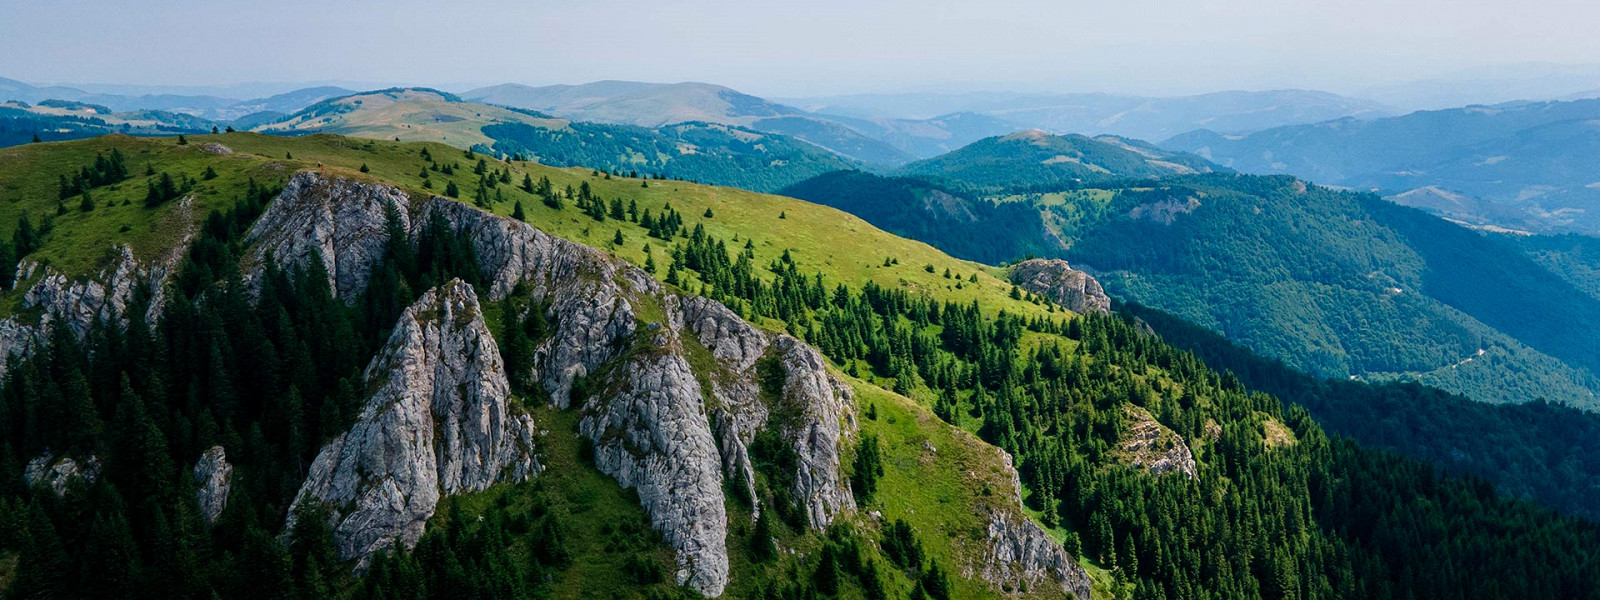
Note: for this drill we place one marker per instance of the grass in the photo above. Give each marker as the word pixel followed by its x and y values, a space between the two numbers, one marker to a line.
pixel 941 492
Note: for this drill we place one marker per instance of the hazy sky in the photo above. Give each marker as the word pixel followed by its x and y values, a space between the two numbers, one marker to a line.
pixel 793 48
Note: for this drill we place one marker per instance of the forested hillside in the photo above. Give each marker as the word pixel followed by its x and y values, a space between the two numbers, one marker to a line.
pixel 940 360
pixel 696 151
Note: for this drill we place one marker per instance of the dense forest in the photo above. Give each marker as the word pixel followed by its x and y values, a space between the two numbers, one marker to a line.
pixel 1310 517
pixel 720 155
pixel 1277 508
pixel 1538 450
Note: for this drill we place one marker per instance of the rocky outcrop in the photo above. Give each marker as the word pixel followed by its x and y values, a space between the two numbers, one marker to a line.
pixel 1021 553
pixel 651 434
pixel 822 412
pixel 436 423
pixel 1149 445
pixel 341 222
pixel 1054 279
pixel 655 426
pixel 77 302
pixel 213 478
pixel 57 473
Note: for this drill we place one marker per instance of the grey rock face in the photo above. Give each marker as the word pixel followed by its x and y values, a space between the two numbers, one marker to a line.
pixel 651 434
pixel 77 302
pixel 214 476
pixel 340 221
pixel 825 414
pixel 437 424
pixel 57 473
pixel 1151 446
pixel 1054 279
pixel 649 416
pixel 1020 552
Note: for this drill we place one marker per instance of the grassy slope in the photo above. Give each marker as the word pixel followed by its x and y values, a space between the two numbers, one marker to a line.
pixel 938 492
pixel 412 115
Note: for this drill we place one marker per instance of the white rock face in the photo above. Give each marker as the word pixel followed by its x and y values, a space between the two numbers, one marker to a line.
pixel 1151 446
pixel 651 421
pixel 1054 279
pixel 651 434
pixel 826 415
pixel 340 221
pixel 437 424
pixel 1020 552
pixel 57 473
pixel 77 302
pixel 214 476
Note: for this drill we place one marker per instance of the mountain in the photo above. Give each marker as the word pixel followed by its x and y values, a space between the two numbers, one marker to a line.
pixel 1036 158
pixel 1491 85
pixel 1518 166
pixel 407 395
pixel 1095 114
pixel 635 103
pixel 696 151
pixel 1334 283
pixel 288 102
pixel 53 120
pixel 216 108
pixel 874 141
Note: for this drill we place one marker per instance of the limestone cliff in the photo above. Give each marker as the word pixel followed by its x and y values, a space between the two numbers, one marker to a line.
pixel 1068 287
pixel 77 302
pixel 213 478
pixel 436 423
pixel 1149 445
pixel 647 412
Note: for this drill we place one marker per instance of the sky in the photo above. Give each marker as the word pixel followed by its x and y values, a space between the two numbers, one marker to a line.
pixel 814 47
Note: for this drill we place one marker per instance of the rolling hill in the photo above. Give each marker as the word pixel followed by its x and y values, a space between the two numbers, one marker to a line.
pixel 881 429
pixel 1036 158
pixel 53 120
pixel 1336 284
pixel 875 141
pixel 1520 166
pixel 699 151
pixel 1141 117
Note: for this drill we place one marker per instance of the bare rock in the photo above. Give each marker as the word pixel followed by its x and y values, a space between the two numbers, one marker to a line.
pixel 1054 279
pixel 651 434
pixel 58 473
pixel 339 221
pixel 437 423
pixel 1151 446
pixel 825 414
pixel 214 478
pixel 1020 552
pixel 656 427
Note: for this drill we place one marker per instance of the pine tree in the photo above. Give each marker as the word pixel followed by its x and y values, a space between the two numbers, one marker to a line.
pixel 451 190
pixel 516 211
pixel 87 204
pixel 617 239
pixel 182 141
pixel 365 169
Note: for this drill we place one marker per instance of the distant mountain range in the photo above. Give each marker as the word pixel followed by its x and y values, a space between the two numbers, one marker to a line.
pixel 1334 283
pixel 1526 166
pixel 693 150
pixel 214 108
pixel 1093 114
pixel 875 141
